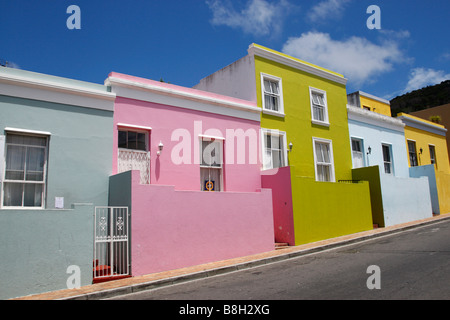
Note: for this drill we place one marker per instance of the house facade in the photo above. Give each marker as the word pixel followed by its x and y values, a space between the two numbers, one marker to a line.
pixel 55 163
pixel 369 102
pixel 379 156
pixel 185 162
pixel 428 156
pixel 442 113
pixel 305 143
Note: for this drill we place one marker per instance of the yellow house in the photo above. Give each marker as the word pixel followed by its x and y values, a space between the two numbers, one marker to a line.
pixel 305 143
pixel 427 147
pixel 369 102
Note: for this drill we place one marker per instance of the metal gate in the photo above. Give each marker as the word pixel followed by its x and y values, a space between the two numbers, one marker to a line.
pixel 111 247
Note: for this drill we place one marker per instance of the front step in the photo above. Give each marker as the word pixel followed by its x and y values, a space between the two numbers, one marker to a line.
pixel 281 245
pixel 111 278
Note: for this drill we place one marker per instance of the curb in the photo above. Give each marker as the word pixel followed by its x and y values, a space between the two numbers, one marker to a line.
pixel 284 254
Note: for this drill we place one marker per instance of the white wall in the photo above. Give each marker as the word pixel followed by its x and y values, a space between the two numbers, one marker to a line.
pixel 236 80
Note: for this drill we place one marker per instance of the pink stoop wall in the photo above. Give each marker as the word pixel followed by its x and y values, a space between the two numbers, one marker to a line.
pixel 174 229
pixel 279 180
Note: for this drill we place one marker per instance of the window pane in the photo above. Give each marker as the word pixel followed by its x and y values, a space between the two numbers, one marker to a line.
pixel 356 145
pixel 386 154
pixel 318 99
pixel 319 154
pixel 26 140
pixel 211 155
pixel 387 167
pixel 32 195
pixel 132 140
pixel 276 142
pixel 267 87
pixel 274 103
pixel 315 98
pixel 12 194
pixel 326 153
pixel 210 179
pixel 323 173
pixel 274 86
pixel 270 102
pixel 358 160
pixel 35 164
pixel 267 140
pixel 276 159
pixel 323 152
pixel 15 162
pixel 122 139
pixel 267 159
pixel 412 153
pixel 432 154
pixel 318 113
pixel 141 141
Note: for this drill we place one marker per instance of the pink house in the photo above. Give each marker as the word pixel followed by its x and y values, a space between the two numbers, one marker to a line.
pixel 187 164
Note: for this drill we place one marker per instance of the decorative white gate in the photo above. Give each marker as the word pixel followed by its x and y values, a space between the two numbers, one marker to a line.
pixel 111 247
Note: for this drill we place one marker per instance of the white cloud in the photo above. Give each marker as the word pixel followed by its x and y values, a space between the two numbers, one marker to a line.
pixel 358 59
pixel 327 9
pixel 422 77
pixel 259 17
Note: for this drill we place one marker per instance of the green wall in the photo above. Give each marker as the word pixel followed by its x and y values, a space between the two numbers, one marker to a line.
pixel 372 175
pixel 38 245
pixel 324 210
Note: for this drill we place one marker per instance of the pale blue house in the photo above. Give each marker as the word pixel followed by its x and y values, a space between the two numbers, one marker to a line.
pixel 379 156
pixel 55 163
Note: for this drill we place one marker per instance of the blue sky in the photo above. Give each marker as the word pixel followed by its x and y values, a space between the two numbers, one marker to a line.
pixel 184 41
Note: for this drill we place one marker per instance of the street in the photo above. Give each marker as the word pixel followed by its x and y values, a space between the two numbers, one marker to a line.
pixel 413 264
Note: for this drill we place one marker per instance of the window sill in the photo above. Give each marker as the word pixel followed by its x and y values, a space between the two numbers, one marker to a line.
pixel 320 123
pixel 274 113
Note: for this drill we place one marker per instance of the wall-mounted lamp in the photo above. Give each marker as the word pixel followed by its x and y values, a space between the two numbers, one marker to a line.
pixel 421 150
pixel 369 150
pixel 290 146
pixel 160 148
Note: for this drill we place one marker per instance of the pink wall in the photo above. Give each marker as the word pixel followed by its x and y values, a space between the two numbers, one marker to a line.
pixel 174 229
pixel 279 180
pixel 163 120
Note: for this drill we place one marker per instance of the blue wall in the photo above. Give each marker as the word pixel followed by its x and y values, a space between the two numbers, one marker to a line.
pixel 374 136
pixel 38 245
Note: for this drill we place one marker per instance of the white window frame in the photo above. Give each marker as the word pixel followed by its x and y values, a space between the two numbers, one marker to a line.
pixel 391 162
pixel 136 130
pixel 220 167
pixel 325 121
pixel 283 146
pixel 280 112
pixel 3 179
pixel 361 141
pixel 432 160
pixel 316 163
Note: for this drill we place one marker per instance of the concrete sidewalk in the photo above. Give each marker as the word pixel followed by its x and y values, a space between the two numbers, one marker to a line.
pixel 156 280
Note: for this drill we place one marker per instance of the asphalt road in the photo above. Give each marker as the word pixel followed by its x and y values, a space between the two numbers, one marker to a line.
pixel 413 264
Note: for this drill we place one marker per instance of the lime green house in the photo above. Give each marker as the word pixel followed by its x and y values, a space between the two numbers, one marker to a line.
pixel 304 144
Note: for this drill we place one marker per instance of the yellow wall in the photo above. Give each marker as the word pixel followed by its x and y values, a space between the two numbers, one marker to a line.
pixel 443 189
pixel 297 121
pixel 321 210
pixel 423 139
pixel 375 106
